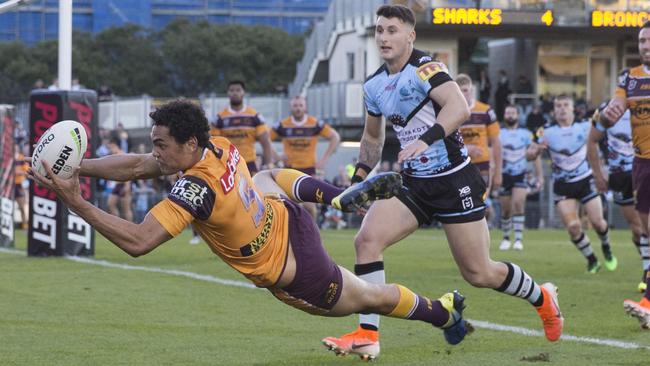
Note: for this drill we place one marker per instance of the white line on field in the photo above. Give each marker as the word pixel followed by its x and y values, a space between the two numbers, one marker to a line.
pixel 174 272
pixel 477 323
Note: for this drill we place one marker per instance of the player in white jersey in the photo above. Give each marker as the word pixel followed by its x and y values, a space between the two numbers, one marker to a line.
pixel 514 142
pixel 573 184
pixel 425 106
pixel 619 155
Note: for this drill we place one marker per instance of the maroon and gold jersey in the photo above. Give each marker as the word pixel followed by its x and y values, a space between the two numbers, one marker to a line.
pixel 634 87
pixel 481 125
pixel 299 139
pixel 241 127
pixel 247 230
pixel 20 169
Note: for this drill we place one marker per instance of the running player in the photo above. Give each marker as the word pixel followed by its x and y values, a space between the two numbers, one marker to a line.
pixel 20 195
pixel 633 93
pixel 481 135
pixel 514 142
pixel 619 155
pixel 269 239
pixel 573 183
pixel 426 107
pixel 242 125
pixel 299 134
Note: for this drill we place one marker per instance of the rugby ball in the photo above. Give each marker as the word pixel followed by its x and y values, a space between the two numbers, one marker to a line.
pixel 63 146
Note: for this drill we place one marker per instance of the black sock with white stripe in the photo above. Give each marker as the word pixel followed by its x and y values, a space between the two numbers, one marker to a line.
pixel 604 239
pixel 584 246
pixel 644 252
pixel 519 283
pixel 372 272
pixel 518 226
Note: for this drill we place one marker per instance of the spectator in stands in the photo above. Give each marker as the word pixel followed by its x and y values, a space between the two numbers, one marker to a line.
pixel 75 85
pixel 501 94
pixel 20 135
pixel 39 84
pixel 20 173
pixel 123 138
pixel 54 85
pixel 104 93
pixel 485 87
pixel 535 118
pixel 121 193
pixel 524 86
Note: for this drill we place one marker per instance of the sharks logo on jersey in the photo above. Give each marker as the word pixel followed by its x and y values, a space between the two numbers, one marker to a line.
pixel 514 143
pixel 403 98
pixel 568 149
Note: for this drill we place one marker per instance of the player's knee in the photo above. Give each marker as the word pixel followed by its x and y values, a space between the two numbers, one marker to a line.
pixel 366 242
pixel 575 229
pixel 476 277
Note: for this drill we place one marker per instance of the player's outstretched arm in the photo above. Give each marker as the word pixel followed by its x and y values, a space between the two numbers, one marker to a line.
pixel 121 167
pixel 613 112
pixel 134 239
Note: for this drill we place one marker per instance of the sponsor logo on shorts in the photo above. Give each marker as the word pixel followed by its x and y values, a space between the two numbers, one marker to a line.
pixel 464 192
pixel 332 290
pixel 194 195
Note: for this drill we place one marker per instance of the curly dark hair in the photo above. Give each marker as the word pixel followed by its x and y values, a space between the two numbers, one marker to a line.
pixel 184 120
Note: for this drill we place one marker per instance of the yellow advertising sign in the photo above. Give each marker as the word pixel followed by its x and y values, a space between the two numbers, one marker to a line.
pixel 467 16
pixel 618 19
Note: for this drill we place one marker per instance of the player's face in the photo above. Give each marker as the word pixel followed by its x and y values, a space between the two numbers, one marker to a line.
pixel 171 156
pixel 563 110
pixel 113 148
pixel 510 116
pixel 644 46
pixel 393 37
pixel 236 94
pixel 298 107
pixel 468 92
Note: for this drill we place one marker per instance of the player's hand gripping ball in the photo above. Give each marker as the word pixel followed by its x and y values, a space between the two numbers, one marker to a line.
pixel 63 146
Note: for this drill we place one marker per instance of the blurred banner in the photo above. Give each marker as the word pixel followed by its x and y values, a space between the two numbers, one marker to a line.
pixel 53 229
pixel 6 176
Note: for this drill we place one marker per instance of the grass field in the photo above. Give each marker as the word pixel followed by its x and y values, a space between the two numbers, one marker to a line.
pixel 54 311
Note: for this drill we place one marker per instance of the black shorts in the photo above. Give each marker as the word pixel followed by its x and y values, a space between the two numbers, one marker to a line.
pixel 451 199
pixel 621 185
pixel 318 283
pixel 119 190
pixel 583 190
pixel 510 182
pixel 19 192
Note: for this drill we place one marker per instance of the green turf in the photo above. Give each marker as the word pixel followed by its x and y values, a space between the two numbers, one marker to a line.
pixel 57 312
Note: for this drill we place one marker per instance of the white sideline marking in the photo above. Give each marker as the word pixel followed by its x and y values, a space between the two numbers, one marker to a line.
pixel 477 323
pixel 174 272
pixel 565 337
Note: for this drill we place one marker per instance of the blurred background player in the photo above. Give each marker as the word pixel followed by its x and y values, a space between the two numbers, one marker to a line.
pixel 20 194
pixel 619 155
pixel 299 134
pixel 119 201
pixel 481 138
pixel 242 125
pixel 514 189
pixel 573 183
pixel 439 180
pixel 633 93
pixel 269 239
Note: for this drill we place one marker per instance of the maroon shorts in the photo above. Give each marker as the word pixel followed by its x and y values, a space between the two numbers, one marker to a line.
pixel 118 190
pixel 641 184
pixel 18 191
pixel 318 283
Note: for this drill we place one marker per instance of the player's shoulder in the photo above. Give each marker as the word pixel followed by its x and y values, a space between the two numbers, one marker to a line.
pixel 425 66
pixel 225 112
pixel 480 107
pixel 638 71
pixel 374 77
pixel 250 111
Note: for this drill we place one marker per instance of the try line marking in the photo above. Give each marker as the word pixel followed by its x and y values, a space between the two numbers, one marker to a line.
pixel 477 323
